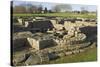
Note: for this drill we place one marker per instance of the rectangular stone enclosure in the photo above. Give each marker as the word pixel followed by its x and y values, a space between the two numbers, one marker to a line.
pixel 40 44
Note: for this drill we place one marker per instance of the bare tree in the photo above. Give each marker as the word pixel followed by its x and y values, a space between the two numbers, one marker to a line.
pixel 32 9
pixel 62 8
pixel 25 8
pixel 45 10
pixel 19 9
pixel 84 10
pixel 40 8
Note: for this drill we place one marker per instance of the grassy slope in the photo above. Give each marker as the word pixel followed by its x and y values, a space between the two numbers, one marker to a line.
pixel 90 55
pixel 60 14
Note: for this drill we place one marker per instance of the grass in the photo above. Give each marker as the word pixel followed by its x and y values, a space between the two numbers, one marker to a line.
pixel 89 55
pixel 72 15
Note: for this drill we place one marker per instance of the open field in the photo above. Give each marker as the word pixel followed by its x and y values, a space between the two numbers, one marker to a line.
pixel 69 15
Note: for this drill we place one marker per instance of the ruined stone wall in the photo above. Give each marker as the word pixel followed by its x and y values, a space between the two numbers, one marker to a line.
pixel 54 21
pixel 20 42
pixel 33 43
pixel 20 21
pixel 40 44
pixel 46 44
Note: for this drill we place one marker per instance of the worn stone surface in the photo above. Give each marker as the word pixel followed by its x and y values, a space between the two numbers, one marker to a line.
pixel 68 53
pixel 33 59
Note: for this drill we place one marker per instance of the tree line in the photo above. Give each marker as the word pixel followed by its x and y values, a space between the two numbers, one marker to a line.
pixel 30 8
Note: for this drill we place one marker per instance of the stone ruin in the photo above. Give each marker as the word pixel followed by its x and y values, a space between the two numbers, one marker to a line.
pixel 41 42
pixel 65 39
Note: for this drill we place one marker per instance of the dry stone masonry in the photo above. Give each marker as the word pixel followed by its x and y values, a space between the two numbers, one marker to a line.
pixel 51 37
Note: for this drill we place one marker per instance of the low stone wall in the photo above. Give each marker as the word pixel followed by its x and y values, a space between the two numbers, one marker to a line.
pixel 19 43
pixel 33 43
pixel 41 44
pixel 46 44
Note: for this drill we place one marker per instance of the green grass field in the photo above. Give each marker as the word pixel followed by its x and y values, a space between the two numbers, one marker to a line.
pixel 89 55
pixel 72 15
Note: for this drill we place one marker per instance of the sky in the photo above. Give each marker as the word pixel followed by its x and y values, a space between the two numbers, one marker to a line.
pixel 50 5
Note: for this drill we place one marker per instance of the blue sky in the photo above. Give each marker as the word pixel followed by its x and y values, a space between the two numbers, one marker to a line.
pixel 50 5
